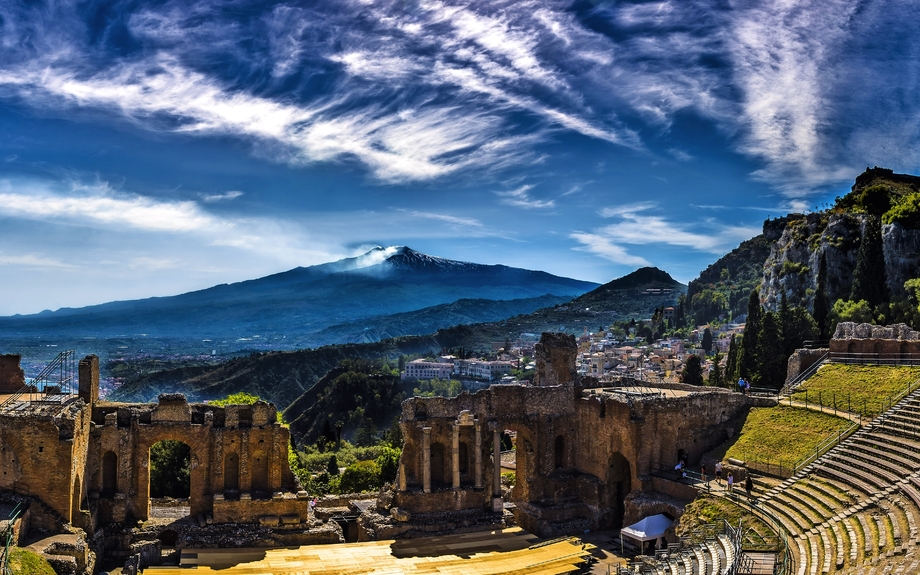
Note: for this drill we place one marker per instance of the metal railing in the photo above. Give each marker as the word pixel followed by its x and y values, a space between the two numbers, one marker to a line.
pixel 812 369
pixel 896 359
pixel 824 447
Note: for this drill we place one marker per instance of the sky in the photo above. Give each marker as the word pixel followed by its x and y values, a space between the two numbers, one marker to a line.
pixel 153 148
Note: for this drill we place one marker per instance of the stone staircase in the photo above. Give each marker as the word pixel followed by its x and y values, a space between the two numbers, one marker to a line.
pixel 713 556
pixel 856 510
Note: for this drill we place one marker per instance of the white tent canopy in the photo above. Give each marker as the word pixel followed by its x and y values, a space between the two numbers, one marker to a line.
pixel 648 529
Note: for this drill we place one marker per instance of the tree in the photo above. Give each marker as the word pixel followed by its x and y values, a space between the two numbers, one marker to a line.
pixel 388 463
pixel 821 307
pixel 801 327
pixel 170 472
pixel 731 362
pixel 707 340
pixel 855 311
pixel 773 359
pixel 715 376
pixel 693 371
pixel 785 323
pixel 869 276
pixel 750 343
pixel 366 434
pixel 360 477
pixel 333 466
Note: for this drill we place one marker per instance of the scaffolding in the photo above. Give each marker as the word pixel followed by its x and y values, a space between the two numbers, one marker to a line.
pixel 56 382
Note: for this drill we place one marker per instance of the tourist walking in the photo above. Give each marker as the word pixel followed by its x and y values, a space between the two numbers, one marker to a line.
pixel 703 472
pixel 730 480
pixel 719 472
pixel 748 485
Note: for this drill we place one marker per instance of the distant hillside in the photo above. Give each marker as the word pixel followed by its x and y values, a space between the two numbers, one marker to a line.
pixel 281 377
pixel 431 319
pixel 291 308
pixel 633 295
pixel 725 285
pixel 352 393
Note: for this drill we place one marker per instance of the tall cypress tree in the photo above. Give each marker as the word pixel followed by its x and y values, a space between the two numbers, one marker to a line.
pixel 772 358
pixel 821 307
pixel 785 325
pixel 869 280
pixel 747 367
pixel 731 362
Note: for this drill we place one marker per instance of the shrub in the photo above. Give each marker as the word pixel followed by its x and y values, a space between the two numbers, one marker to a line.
pixel 905 212
pixel 360 477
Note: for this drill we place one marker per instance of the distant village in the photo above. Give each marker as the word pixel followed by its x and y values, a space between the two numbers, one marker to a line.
pixel 601 355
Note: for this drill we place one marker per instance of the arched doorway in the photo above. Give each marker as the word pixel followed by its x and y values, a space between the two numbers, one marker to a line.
pixel 618 486
pixel 109 474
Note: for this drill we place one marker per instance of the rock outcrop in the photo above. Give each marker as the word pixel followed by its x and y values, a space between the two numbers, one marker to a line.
pixel 792 266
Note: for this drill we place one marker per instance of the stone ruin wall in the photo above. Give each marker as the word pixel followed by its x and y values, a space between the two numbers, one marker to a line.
pixel 88 461
pixel 239 459
pixel 12 378
pixel 580 455
pixel 892 340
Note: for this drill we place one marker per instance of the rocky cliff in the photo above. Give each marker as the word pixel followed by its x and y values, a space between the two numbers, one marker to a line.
pixel 798 241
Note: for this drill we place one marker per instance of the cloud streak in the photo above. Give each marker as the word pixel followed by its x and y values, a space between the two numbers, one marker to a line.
pixel 634 227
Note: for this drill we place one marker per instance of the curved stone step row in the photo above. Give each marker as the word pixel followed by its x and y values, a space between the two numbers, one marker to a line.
pixel 711 557
pixel 859 504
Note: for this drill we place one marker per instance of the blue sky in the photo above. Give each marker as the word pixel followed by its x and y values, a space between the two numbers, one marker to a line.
pixel 152 148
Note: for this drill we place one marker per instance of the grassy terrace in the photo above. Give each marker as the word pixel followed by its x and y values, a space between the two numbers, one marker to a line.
pixel 864 388
pixel 707 509
pixel 783 434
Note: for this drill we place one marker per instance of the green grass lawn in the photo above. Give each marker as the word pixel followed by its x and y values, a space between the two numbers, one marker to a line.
pixel 862 388
pixel 783 434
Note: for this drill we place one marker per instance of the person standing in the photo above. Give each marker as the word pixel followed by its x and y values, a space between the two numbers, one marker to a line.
pixel 730 480
pixel 703 472
pixel 748 485
pixel 719 472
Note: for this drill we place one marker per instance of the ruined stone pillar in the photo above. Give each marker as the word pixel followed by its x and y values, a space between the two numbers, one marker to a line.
pixel 455 454
pixel 426 459
pixel 496 461
pixel 478 483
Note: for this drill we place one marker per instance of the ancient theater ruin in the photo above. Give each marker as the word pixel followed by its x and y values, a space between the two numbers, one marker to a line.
pixel 585 455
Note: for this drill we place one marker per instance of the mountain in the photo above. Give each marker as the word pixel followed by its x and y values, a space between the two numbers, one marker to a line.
pixel 282 377
pixel 290 308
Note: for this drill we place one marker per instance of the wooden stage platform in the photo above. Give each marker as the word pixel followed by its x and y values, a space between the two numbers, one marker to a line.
pixel 483 553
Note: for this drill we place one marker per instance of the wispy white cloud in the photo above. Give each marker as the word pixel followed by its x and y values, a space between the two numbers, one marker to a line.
pixel 603 246
pixel 33 261
pixel 638 228
pixel 459 221
pixel 231 195
pixel 99 206
pixel 520 197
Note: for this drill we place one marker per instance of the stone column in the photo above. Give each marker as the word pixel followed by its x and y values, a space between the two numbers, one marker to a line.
pixel 478 483
pixel 455 454
pixel 426 459
pixel 496 462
